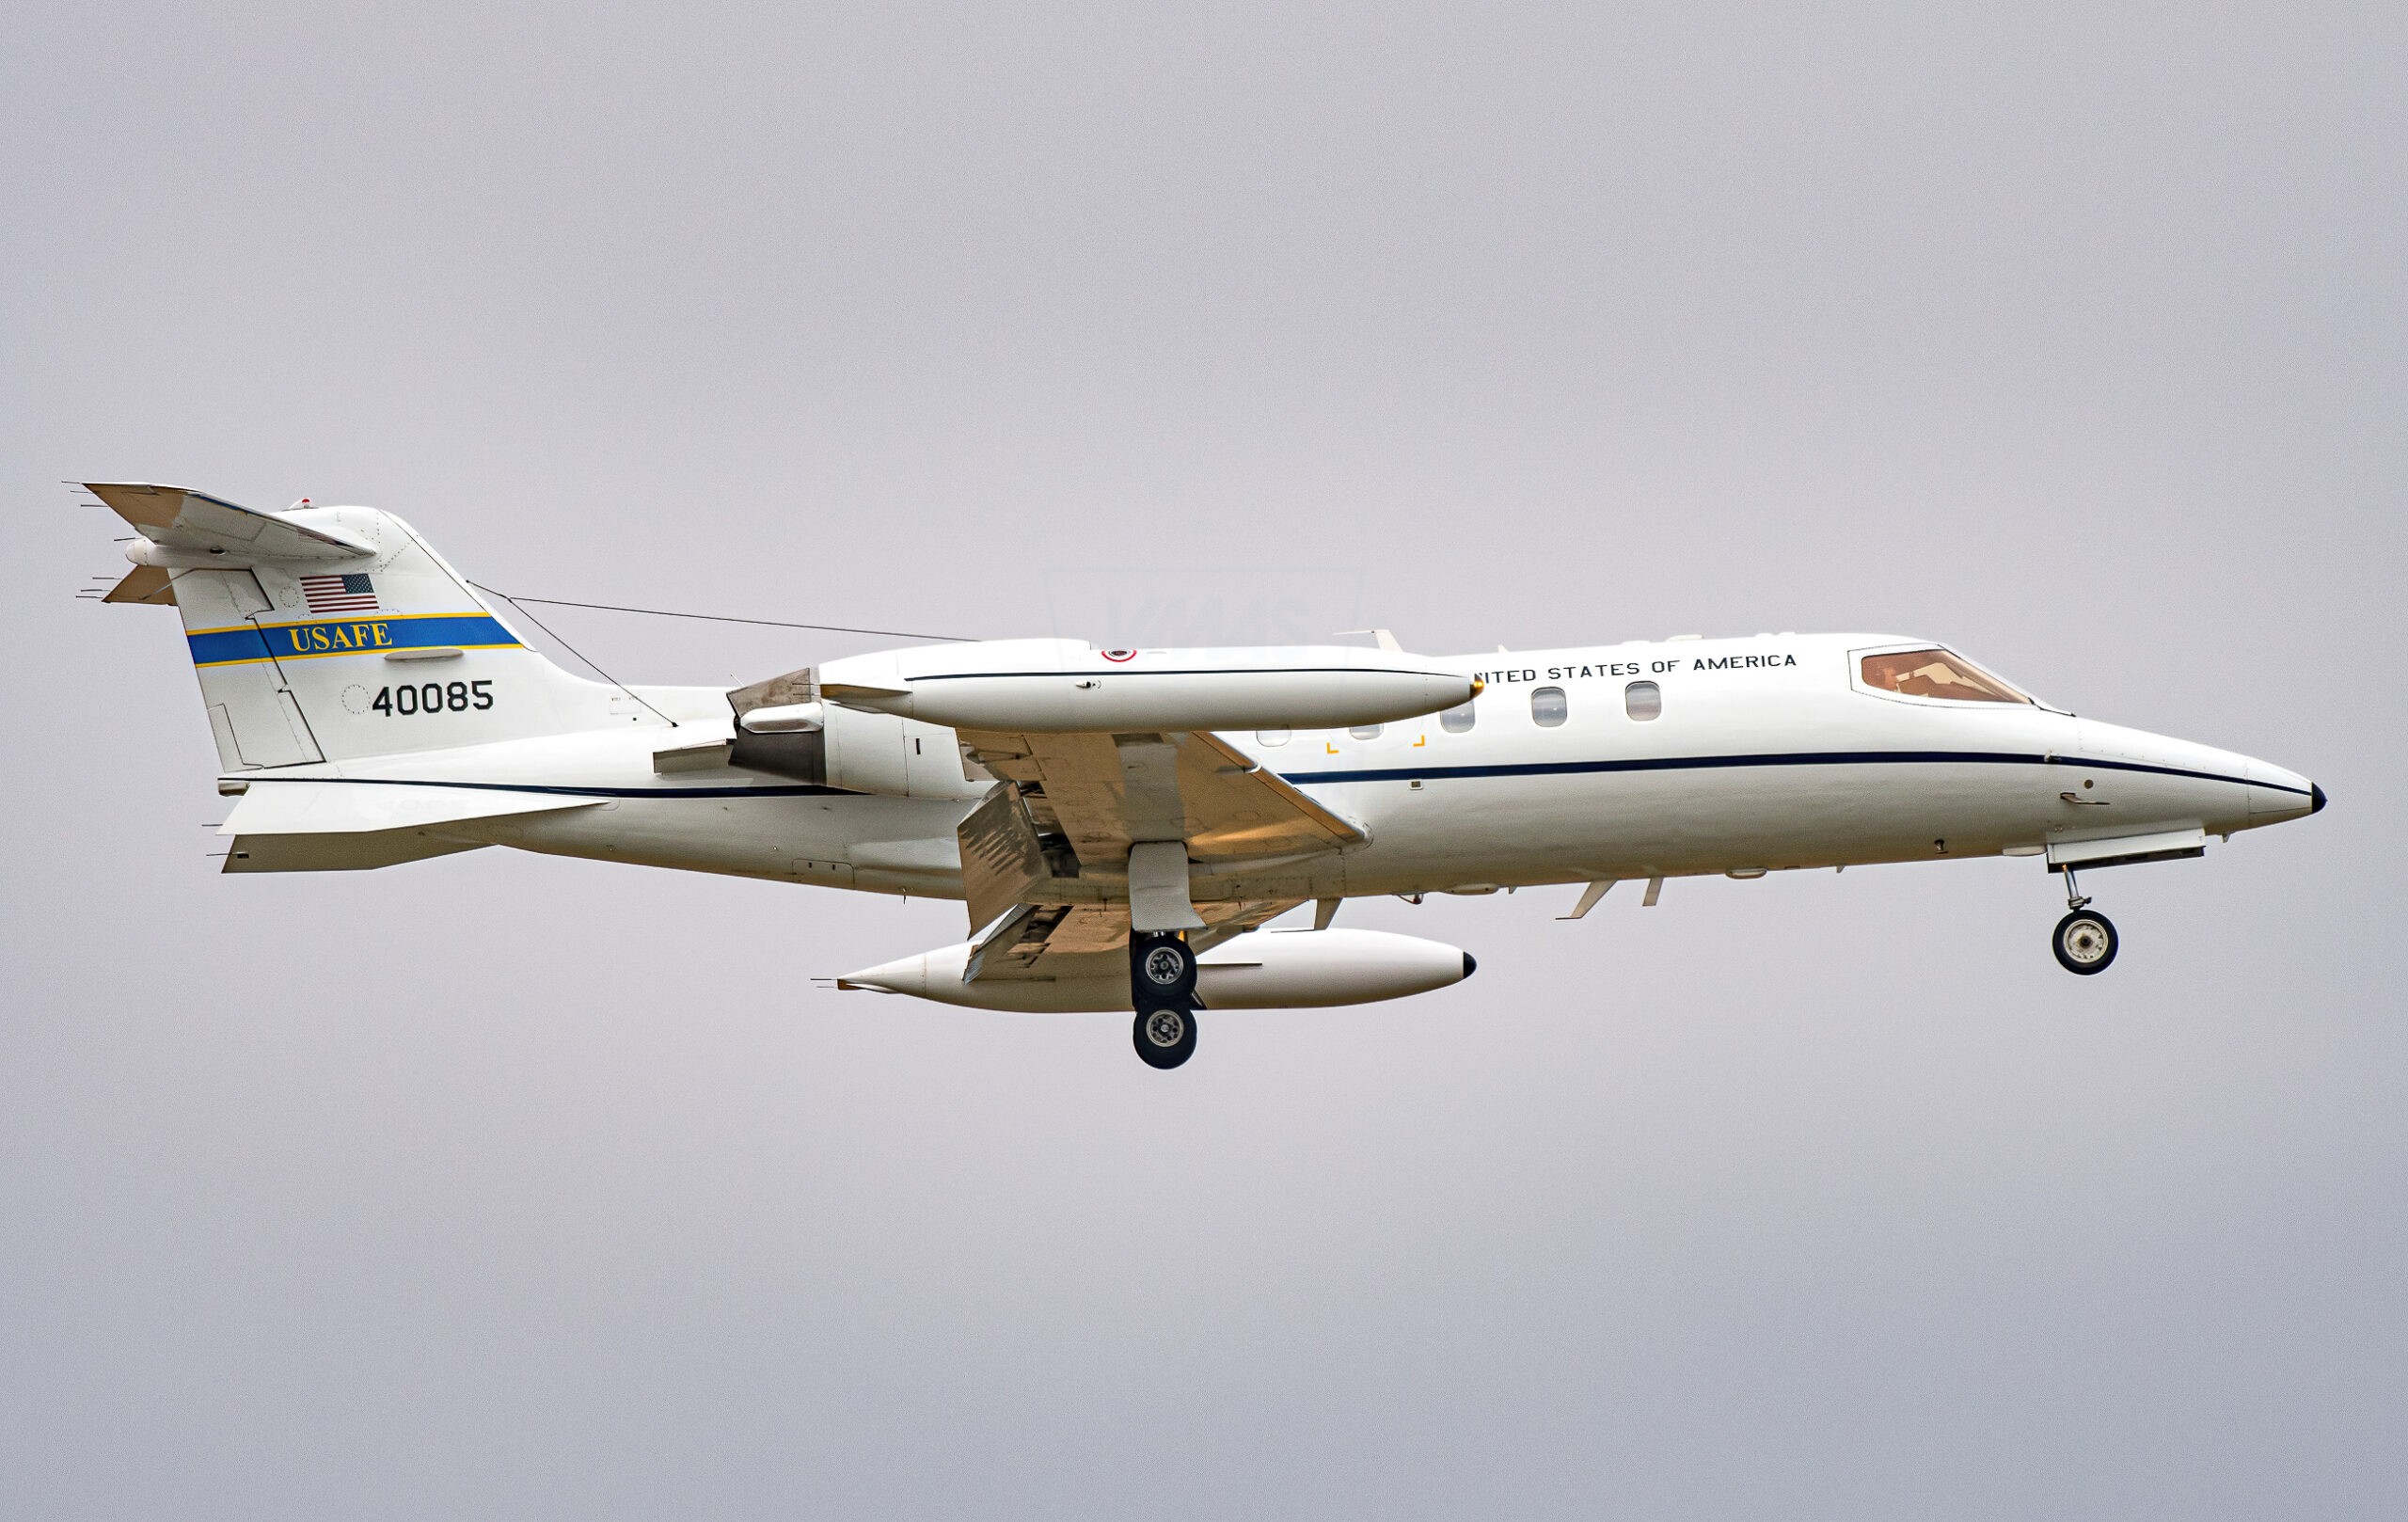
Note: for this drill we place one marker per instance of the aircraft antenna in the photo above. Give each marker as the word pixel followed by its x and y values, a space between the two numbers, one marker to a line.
pixel 575 650
pixel 722 618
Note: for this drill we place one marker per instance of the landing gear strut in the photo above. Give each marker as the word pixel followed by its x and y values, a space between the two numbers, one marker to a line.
pixel 2085 940
pixel 1162 985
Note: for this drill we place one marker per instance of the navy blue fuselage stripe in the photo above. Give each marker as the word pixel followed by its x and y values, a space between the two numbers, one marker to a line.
pixel 345 637
pixel 1309 779
pixel 1795 758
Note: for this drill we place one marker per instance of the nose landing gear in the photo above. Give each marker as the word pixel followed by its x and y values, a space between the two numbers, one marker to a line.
pixel 1162 985
pixel 2085 940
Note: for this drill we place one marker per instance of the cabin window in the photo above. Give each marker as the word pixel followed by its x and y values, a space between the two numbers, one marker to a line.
pixel 1365 732
pixel 1643 701
pixel 1935 673
pixel 1459 719
pixel 1547 707
pixel 1271 737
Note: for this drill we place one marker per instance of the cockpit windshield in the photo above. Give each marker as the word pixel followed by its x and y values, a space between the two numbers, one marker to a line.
pixel 1935 673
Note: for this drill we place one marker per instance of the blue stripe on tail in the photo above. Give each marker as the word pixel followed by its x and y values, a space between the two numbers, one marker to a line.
pixel 347 637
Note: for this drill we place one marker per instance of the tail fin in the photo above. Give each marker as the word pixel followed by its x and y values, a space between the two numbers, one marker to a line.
pixel 329 633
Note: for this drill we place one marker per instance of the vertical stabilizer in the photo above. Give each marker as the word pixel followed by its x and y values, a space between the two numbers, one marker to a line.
pixel 324 634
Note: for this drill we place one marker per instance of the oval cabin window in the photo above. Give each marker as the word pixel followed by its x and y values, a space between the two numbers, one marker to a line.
pixel 1271 737
pixel 1365 732
pixel 1459 719
pixel 1643 701
pixel 1547 707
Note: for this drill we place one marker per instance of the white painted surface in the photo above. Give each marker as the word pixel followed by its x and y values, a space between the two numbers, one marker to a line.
pixel 1268 969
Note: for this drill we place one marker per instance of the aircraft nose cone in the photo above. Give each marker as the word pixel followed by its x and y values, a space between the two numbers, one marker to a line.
pixel 2315 801
pixel 1471 966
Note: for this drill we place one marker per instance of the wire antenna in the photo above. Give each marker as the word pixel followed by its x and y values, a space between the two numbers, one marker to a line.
pixel 720 618
pixel 575 650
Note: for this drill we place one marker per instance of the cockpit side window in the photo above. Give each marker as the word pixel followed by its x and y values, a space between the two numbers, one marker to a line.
pixel 1935 673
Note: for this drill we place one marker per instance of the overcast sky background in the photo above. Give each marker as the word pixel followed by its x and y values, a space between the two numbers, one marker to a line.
pixel 506 1186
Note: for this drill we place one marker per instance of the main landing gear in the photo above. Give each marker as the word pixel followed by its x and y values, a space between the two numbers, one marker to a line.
pixel 2084 940
pixel 1162 985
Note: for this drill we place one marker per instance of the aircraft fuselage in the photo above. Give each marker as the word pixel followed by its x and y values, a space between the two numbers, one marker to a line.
pixel 1759 755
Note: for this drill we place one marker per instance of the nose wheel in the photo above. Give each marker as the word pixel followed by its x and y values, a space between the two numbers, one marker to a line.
pixel 1162 987
pixel 2085 940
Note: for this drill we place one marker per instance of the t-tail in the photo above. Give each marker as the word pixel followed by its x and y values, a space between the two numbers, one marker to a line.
pixel 326 637
pixel 324 634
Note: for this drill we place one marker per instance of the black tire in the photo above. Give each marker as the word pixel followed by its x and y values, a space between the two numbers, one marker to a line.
pixel 1164 1034
pixel 1162 969
pixel 2085 943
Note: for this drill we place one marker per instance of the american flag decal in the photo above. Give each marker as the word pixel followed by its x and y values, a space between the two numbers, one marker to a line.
pixel 340 594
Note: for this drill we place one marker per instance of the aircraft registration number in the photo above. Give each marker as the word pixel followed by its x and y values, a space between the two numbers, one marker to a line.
pixel 433 697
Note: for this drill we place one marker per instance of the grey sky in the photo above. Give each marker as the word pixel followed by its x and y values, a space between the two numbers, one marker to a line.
pixel 503 1187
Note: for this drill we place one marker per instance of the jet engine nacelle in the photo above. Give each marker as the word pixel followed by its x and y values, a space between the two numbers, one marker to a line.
pixel 829 746
pixel 1065 686
pixel 1266 970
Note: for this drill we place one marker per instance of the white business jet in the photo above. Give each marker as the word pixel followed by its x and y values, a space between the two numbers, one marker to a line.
pixel 1122 823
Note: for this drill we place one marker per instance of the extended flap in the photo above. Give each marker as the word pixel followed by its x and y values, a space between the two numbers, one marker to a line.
pixel 1112 791
pixel 1002 857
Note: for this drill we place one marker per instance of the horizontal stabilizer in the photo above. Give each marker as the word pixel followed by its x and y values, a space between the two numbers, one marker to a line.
pixel 359 852
pixel 332 826
pixel 174 518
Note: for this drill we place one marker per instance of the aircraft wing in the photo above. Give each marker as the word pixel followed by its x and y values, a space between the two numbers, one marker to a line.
pixel 1076 940
pixel 1074 819
pixel 1105 793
